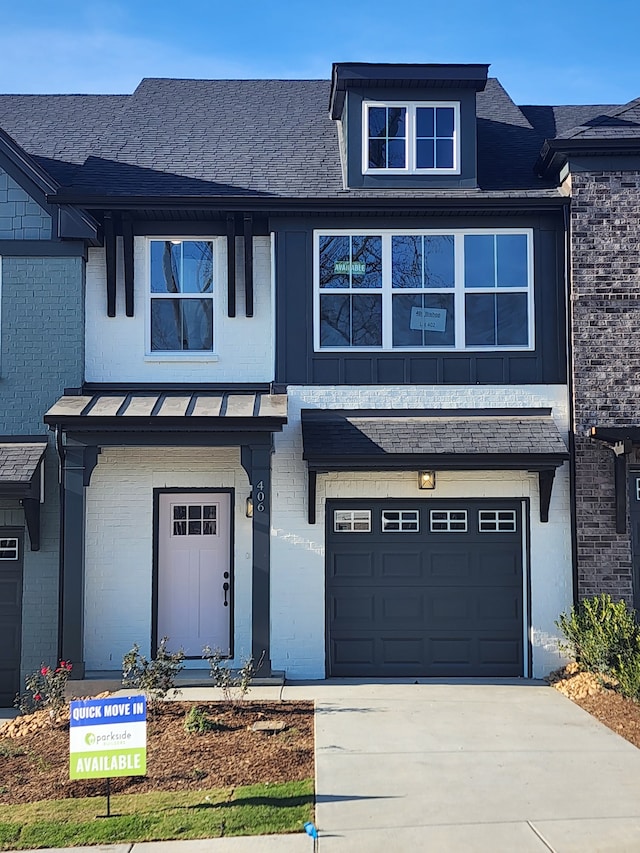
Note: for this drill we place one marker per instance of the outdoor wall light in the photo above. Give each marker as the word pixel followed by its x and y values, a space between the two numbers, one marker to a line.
pixel 426 479
pixel 249 507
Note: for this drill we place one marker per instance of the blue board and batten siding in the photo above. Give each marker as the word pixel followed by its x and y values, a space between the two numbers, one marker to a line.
pixel 298 364
pixel 21 218
pixel 41 352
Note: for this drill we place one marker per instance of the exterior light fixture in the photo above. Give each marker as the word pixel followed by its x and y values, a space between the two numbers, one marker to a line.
pixel 426 479
pixel 249 507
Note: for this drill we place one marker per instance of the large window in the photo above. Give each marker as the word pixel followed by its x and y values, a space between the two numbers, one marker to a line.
pixel 414 138
pixel 181 296
pixel 455 290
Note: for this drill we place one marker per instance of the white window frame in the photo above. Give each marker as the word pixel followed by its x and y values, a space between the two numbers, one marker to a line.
pixel 410 139
pixel 352 520
pixel 448 521
pixel 183 355
pixel 492 516
pixel 12 543
pixel 458 290
pixel 405 516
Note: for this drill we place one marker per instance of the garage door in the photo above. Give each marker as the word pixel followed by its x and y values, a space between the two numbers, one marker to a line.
pixel 10 614
pixel 424 588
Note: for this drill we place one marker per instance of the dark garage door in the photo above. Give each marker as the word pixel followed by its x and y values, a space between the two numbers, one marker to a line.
pixel 424 588
pixel 10 614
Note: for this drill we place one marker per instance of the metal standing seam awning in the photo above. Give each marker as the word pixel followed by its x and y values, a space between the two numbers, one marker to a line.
pixel 21 477
pixel 441 439
pixel 111 415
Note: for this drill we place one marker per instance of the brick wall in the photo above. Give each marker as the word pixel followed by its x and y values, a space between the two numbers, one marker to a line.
pixel 605 314
pixel 20 217
pixel 41 352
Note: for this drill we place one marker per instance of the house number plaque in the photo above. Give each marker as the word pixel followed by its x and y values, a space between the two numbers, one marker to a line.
pixel 259 497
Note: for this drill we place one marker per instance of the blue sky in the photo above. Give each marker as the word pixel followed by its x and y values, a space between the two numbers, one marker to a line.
pixel 569 52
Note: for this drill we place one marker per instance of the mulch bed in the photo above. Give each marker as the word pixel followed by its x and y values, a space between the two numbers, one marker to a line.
pixel 598 696
pixel 231 755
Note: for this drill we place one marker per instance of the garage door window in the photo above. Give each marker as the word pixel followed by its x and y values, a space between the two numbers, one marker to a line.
pixel 352 521
pixel 497 521
pixel 8 549
pixel 400 521
pixel 448 520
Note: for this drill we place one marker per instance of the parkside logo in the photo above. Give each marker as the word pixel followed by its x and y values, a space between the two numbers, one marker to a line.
pixel 110 738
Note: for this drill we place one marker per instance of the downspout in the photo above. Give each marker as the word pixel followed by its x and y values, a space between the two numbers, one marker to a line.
pixel 61 459
pixel 566 212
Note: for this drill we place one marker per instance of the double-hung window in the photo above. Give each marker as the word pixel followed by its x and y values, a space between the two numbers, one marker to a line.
pixel 424 290
pixel 181 296
pixel 411 138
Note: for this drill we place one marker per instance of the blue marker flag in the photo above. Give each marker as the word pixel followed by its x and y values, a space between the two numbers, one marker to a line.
pixel 310 829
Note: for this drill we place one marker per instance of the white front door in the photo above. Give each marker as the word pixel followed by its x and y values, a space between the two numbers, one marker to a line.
pixel 194 571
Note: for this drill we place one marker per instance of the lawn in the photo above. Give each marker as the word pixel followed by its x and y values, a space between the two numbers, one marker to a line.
pixel 229 780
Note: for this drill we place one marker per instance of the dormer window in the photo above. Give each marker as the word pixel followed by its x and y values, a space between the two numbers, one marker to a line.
pixel 416 138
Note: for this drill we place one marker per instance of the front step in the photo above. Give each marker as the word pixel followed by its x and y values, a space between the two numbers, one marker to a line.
pixel 111 681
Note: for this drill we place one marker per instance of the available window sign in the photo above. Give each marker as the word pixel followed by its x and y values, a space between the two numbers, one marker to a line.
pixel 428 319
pixel 108 737
pixel 346 267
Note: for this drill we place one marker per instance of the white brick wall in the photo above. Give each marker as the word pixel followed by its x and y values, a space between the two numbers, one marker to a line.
pixel 115 346
pixel 297 548
pixel 119 542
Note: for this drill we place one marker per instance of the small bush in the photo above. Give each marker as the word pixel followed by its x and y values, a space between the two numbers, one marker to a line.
pixel 45 690
pixel 155 677
pixel 234 685
pixel 198 722
pixel 627 673
pixel 600 633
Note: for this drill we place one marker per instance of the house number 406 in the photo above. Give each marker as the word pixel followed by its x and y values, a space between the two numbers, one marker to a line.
pixel 260 496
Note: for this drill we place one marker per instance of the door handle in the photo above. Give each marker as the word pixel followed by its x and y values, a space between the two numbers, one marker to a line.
pixel 225 587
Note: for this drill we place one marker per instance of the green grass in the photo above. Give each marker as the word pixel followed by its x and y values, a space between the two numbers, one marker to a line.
pixel 251 810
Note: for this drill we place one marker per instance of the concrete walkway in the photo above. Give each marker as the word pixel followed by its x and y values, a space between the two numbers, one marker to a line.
pixel 472 767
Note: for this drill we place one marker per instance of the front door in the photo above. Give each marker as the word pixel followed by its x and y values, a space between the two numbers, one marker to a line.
pixel 194 571
pixel 10 614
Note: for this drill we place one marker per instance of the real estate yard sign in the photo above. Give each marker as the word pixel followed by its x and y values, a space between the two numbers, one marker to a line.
pixel 108 737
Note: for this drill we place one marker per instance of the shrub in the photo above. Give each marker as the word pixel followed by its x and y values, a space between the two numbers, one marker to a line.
pixel 198 722
pixel 45 690
pixel 155 677
pixel 600 633
pixel 627 672
pixel 234 685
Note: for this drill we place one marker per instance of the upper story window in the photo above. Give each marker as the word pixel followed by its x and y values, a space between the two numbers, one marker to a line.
pixel 410 290
pixel 181 296
pixel 411 138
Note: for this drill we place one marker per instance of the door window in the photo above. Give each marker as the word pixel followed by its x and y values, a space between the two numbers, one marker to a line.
pixel 194 520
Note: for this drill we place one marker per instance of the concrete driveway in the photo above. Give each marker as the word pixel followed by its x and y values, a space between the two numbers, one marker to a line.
pixel 454 767
pixel 512 767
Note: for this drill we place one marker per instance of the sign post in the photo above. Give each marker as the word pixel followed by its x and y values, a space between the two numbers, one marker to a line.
pixel 107 738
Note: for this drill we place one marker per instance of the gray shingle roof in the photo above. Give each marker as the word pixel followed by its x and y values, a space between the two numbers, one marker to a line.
pixel 270 138
pixel 18 461
pixel 332 434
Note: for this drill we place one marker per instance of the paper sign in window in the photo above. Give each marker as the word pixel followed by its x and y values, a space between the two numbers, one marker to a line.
pixel 428 319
